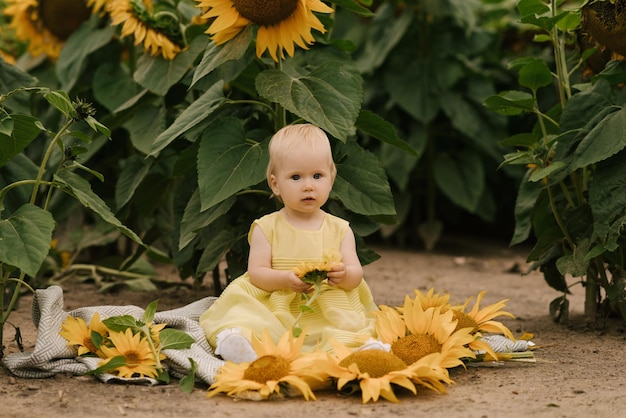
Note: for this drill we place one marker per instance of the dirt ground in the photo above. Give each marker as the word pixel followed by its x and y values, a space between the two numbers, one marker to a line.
pixel 579 372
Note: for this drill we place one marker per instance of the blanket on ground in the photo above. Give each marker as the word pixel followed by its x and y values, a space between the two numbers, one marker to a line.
pixel 52 355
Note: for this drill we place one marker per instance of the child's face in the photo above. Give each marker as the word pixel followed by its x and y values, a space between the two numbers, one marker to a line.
pixel 303 180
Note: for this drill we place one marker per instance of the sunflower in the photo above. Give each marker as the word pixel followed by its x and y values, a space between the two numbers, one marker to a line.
pixel 282 23
pixel 432 299
pixel 418 332
pixel 138 356
pixel 158 31
pixel 278 366
pixel 375 371
pixel 481 320
pixel 77 333
pixel 315 272
pixel 46 25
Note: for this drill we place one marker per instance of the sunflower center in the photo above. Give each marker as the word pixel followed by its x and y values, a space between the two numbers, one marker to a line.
pixel 376 363
pixel 413 347
pixel 88 343
pixel 62 17
pixel 132 358
pixel 266 12
pixel 465 321
pixel 267 368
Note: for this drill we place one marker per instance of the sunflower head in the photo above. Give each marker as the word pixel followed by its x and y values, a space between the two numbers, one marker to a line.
pixel 281 23
pixel 413 347
pixel 376 363
pixel 316 271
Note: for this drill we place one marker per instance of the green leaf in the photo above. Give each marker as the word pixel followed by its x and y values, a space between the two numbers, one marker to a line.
pixel 195 113
pixel 361 183
pixel 532 7
pixel 412 88
pixel 174 339
pixel 188 382
pixel 607 198
pixel 604 140
pixel 215 249
pixel 61 101
pixel 113 85
pixel 354 6
pixel 461 178
pixel 195 219
pixel 535 74
pixel 134 171
pixel 25 238
pixel 523 140
pixel 527 196
pixel 384 32
pixel 158 74
pixel 328 96
pixel 148 315
pixel 120 323
pixel 215 55
pixel 227 163
pixel 13 78
pixel 375 126
pixel 24 130
pixel 114 363
pixel 80 188
pixel 97 339
pixel 544 172
pixel 510 103
pixel 89 37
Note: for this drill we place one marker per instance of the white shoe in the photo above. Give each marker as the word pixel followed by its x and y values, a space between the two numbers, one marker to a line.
pixel 374 344
pixel 233 346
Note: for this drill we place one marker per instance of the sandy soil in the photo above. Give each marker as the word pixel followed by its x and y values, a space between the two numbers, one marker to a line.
pixel 580 371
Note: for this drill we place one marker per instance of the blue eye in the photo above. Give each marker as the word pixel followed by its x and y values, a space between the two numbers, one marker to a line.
pixel 317 176
pixel 295 177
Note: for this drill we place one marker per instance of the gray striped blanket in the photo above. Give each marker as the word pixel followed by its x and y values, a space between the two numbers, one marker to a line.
pixel 52 355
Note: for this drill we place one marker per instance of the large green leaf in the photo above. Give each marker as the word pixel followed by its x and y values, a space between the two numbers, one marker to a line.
pixel 603 141
pixel 113 85
pixel 214 55
pixel 227 163
pixel 88 38
pixel 134 171
pixel 79 188
pixel 221 240
pixel 607 198
pixel 146 124
pixel 194 219
pixel 535 74
pixel 410 87
pixel 375 126
pixel 175 339
pixel 385 30
pixel 24 129
pixel 13 78
pixel 158 74
pixel 25 238
pixel 361 184
pixel 191 116
pixel 328 96
pixel 461 178
pixel 527 196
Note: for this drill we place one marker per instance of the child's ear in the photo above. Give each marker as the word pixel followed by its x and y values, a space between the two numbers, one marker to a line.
pixel 274 185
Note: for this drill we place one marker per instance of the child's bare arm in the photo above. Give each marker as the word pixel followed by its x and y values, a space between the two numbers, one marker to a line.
pixel 349 273
pixel 262 275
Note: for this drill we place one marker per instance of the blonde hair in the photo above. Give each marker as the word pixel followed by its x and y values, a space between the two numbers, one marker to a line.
pixel 304 135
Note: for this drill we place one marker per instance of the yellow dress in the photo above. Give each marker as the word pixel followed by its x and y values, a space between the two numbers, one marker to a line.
pixel 343 315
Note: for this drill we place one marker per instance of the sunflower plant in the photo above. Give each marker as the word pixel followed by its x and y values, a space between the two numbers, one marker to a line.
pixel 314 273
pixel 29 189
pixel 192 91
pixel 572 199
pixel 129 347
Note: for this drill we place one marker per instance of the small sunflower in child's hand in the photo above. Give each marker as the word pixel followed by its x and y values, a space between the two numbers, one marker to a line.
pixel 314 272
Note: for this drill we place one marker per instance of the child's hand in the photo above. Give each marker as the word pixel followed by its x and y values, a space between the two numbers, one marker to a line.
pixel 295 284
pixel 337 274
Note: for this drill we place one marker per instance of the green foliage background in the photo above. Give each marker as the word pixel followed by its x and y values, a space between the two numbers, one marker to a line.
pixel 398 85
